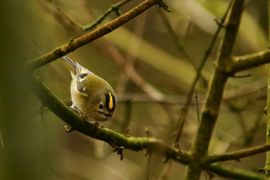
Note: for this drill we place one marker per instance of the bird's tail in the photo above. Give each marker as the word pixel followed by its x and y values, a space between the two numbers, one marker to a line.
pixel 70 64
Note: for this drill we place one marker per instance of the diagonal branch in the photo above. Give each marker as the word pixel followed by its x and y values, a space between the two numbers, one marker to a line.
pixel 109 50
pixel 104 134
pixel 132 143
pixel 236 155
pixel 91 36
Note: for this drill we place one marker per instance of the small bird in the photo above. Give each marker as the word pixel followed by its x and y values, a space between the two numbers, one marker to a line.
pixel 92 97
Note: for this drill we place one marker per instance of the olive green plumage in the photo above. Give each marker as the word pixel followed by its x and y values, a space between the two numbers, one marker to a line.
pixel 91 95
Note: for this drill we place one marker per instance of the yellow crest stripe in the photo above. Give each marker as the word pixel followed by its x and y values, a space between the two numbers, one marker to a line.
pixel 110 103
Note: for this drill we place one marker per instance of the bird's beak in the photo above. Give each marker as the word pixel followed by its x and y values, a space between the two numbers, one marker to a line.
pixel 109 116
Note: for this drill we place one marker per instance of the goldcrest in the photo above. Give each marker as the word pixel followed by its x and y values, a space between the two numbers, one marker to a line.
pixel 91 95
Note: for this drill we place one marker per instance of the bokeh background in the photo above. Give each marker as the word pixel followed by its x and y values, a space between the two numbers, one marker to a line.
pixel 150 65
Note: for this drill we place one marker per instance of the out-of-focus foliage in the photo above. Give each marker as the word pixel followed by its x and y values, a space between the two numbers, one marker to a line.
pixel 33 142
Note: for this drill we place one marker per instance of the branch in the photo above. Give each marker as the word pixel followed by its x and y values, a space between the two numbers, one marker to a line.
pixel 104 134
pixel 130 56
pixel 215 93
pixel 240 63
pixel 234 173
pixel 91 36
pixel 178 43
pixel 115 7
pixel 267 133
pixel 236 155
pixel 119 140
pixel 185 109
pixel 109 50
pixel 112 137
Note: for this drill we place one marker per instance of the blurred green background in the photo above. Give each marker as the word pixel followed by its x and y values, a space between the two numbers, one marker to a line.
pixel 33 142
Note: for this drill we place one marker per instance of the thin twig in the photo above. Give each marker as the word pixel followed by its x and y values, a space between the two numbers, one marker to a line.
pixel 114 8
pixel 179 45
pixel 184 110
pixel 215 93
pixel 148 166
pixel 233 173
pixel 133 49
pixel 91 36
pixel 118 58
pixel 197 106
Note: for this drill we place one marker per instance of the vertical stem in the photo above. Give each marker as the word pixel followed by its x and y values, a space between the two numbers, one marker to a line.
pixel 209 116
pixel 213 100
pixel 267 162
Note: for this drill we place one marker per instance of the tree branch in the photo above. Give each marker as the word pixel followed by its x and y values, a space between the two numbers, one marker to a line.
pixel 236 155
pixel 233 173
pixel 240 63
pixel 267 130
pixel 215 93
pixel 119 140
pixel 104 134
pixel 184 110
pixel 109 50
pixel 196 160
pixel 91 36
pixel 115 7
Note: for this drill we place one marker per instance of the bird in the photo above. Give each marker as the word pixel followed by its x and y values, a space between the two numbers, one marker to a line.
pixel 92 96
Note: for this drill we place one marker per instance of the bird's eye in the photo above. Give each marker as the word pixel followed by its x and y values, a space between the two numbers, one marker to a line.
pixel 83 75
pixel 101 106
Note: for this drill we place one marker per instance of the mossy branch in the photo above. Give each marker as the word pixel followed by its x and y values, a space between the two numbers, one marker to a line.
pixel 111 137
pixel 114 138
pixel 93 35
pixel 198 159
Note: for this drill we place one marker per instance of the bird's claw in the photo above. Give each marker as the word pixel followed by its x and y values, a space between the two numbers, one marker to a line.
pixel 68 128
